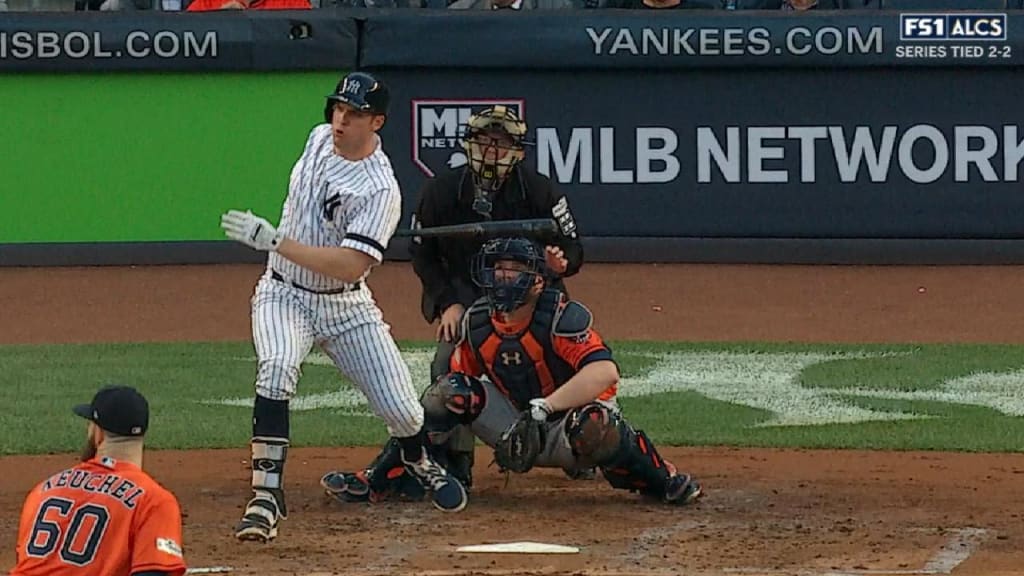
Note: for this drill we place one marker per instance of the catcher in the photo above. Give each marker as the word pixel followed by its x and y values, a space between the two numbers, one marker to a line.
pixel 534 381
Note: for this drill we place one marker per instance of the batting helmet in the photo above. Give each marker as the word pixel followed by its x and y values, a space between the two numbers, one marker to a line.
pixel 508 289
pixel 361 91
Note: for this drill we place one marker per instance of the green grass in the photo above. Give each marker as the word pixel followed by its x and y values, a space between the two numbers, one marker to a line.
pixel 947 397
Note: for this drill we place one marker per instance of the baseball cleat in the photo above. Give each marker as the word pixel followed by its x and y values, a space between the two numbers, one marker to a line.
pixel 681 489
pixel 580 473
pixel 347 486
pixel 259 521
pixel 447 492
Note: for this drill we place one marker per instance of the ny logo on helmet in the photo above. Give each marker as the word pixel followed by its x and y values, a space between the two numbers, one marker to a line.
pixel 352 86
pixel 509 358
pixel 437 128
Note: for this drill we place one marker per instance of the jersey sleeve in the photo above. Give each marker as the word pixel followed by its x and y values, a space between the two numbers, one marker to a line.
pixel 373 222
pixel 581 350
pixel 157 535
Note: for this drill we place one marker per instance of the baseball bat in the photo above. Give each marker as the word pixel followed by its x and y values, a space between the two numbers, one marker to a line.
pixel 530 227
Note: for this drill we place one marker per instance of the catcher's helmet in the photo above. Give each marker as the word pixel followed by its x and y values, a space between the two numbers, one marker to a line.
pixel 361 91
pixel 492 159
pixel 508 288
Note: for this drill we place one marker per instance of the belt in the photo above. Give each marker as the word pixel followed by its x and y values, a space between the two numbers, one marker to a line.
pixel 349 288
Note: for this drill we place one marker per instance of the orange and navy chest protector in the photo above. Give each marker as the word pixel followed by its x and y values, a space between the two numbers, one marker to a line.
pixel 532 359
pixel 100 518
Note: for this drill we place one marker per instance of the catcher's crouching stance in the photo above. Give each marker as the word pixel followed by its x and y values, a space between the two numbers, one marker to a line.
pixel 533 381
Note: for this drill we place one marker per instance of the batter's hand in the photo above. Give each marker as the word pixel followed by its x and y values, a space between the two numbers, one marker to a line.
pixel 251 230
pixel 555 259
pixel 448 328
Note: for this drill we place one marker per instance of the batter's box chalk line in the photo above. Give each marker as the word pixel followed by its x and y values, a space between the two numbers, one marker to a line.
pixel 210 570
pixel 961 544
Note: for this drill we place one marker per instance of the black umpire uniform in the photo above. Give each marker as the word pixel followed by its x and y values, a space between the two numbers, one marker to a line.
pixel 443 263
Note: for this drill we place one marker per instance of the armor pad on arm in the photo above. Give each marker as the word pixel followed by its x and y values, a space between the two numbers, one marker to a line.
pixel 451 400
pixel 574 319
pixel 627 457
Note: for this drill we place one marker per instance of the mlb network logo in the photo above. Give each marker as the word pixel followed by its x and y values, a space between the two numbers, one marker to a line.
pixel 952 27
pixel 438 126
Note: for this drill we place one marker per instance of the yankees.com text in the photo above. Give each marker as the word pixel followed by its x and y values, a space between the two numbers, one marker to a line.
pixel 79 44
pixel 758 41
pixel 920 153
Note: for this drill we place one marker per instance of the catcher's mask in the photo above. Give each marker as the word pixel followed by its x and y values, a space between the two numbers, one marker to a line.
pixel 506 269
pixel 494 141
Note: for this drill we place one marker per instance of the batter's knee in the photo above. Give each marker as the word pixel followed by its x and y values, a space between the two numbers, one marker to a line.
pixel 404 417
pixel 593 433
pixel 276 380
pixel 451 400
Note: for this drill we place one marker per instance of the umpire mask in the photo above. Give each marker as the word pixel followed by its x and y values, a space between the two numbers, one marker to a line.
pixel 506 269
pixel 494 141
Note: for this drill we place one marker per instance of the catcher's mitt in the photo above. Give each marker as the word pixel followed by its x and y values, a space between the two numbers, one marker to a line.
pixel 520 444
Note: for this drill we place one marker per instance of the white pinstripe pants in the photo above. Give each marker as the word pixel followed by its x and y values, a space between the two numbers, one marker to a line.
pixel 350 329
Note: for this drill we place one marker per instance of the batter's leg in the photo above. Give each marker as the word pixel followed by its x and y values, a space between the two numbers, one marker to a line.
pixel 367 355
pixel 457 451
pixel 282 336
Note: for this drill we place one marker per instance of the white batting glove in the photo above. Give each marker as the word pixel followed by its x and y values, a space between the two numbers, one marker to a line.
pixel 251 230
pixel 540 409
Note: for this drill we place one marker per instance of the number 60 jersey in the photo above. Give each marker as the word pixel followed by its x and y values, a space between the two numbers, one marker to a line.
pixel 100 518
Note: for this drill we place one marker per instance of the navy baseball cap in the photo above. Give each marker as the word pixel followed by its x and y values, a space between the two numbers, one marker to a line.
pixel 363 92
pixel 121 410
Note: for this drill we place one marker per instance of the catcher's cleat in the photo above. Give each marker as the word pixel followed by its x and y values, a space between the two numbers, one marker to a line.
pixel 348 486
pixel 460 464
pixel 259 521
pixel 681 489
pixel 447 492
pixel 580 473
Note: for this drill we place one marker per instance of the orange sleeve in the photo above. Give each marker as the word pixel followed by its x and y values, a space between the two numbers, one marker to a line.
pixel 204 5
pixel 464 360
pixel 157 531
pixel 580 350
pixel 285 5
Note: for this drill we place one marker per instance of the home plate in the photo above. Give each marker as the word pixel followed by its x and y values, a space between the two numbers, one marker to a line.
pixel 520 548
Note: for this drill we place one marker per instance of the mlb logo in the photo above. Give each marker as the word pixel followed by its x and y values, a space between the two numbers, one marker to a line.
pixel 438 127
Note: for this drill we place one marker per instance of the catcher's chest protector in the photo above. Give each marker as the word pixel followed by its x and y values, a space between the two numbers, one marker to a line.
pixel 523 366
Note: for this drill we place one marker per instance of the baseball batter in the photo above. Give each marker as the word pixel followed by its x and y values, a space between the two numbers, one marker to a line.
pixel 343 206
pixel 105 516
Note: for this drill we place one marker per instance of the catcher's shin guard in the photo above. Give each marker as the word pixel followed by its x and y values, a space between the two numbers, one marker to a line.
pixel 450 405
pixel 627 457
pixel 267 506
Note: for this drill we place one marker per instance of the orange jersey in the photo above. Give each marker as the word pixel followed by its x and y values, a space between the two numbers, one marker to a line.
pixel 210 5
pixel 525 360
pixel 100 518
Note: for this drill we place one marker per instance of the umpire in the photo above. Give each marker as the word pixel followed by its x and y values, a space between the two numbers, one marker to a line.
pixel 493 185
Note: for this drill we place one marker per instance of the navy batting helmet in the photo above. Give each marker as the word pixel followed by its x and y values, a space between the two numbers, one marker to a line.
pixel 361 91
pixel 508 288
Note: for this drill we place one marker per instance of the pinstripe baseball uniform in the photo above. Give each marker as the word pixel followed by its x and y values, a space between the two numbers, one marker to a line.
pixel 334 202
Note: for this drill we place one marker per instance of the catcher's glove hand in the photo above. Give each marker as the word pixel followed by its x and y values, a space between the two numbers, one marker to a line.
pixel 522 442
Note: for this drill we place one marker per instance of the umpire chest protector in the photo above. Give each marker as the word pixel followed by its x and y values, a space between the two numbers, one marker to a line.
pixel 525 365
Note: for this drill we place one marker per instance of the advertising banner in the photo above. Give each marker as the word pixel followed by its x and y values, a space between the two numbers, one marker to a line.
pixel 849 153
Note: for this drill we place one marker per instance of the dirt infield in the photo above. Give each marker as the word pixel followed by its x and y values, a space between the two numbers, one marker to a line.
pixel 807 513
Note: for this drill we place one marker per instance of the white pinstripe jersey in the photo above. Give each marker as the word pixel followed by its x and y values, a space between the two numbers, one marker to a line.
pixel 336 202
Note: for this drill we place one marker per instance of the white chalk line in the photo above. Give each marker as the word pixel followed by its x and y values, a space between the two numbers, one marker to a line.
pixel 958 548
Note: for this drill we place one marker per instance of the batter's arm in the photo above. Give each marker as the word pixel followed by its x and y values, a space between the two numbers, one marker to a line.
pixel 345 264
